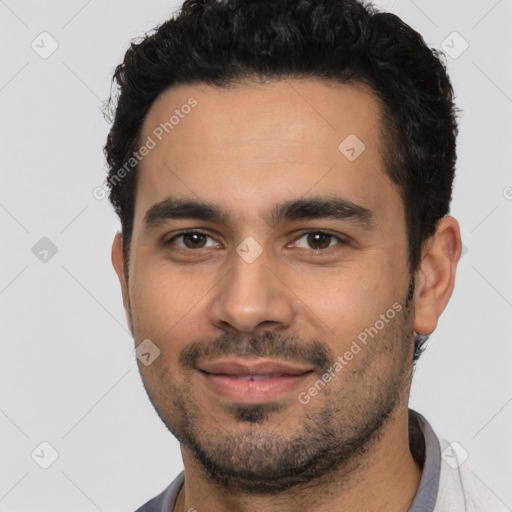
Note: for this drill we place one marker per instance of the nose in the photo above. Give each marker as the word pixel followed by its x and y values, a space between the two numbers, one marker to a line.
pixel 253 296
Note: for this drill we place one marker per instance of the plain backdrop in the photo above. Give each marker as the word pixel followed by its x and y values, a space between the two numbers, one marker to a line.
pixel 68 376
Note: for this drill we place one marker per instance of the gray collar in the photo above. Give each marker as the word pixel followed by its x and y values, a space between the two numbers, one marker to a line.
pixel 429 450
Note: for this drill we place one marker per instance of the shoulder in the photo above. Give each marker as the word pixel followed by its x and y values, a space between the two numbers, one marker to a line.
pixel 164 502
pixel 460 489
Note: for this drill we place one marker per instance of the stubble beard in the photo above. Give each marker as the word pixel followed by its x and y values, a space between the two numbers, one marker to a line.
pixel 257 457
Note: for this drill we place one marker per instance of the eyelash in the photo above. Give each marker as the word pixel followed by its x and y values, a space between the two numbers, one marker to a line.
pixel 341 241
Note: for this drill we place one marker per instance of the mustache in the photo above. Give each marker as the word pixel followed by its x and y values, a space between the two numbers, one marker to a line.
pixel 269 344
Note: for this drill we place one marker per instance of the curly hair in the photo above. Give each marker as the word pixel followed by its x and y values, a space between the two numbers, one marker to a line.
pixel 224 42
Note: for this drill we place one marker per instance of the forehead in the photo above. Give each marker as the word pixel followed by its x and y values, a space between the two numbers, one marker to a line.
pixel 246 146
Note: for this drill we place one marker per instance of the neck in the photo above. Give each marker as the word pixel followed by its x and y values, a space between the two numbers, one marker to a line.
pixel 383 478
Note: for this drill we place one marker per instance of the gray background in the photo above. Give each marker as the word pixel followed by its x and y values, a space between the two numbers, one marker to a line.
pixel 68 372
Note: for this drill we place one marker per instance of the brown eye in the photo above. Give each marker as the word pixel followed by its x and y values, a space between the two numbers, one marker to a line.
pixel 191 240
pixel 318 241
pixel 194 240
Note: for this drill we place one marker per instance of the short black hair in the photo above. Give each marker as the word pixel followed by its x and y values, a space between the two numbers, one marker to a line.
pixel 225 42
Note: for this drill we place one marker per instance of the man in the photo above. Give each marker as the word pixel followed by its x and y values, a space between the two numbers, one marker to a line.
pixel 283 174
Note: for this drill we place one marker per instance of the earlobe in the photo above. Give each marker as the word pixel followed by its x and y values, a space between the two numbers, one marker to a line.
pixel 119 266
pixel 117 255
pixel 435 278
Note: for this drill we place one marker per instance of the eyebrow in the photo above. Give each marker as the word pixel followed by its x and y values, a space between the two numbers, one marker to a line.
pixel 317 207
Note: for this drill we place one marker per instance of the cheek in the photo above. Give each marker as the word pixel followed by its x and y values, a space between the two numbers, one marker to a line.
pixel 344 300
pixel 167 304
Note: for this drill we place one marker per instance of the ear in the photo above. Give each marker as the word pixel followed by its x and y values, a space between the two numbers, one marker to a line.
pixel 119 266
pixel 436 275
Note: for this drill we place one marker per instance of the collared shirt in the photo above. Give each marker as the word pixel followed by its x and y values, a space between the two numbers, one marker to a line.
pixel 445 485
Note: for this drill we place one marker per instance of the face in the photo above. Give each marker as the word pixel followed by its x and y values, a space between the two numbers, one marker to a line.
pixel 268 264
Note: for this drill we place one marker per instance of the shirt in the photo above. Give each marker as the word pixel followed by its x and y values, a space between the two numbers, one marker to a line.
pixel 446 484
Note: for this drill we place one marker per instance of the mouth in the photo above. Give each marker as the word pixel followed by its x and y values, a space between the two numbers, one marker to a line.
pixel 252 381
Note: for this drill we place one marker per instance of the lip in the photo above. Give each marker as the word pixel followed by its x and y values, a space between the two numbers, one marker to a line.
pixel 260 366
pixel 252 381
